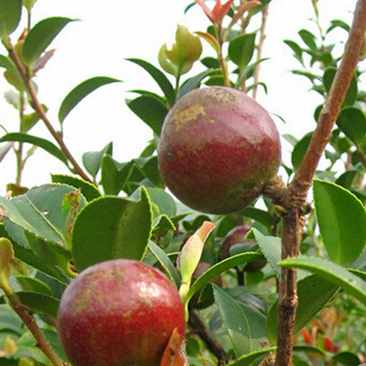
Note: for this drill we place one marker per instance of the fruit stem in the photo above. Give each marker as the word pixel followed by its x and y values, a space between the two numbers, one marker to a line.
pixel 294 198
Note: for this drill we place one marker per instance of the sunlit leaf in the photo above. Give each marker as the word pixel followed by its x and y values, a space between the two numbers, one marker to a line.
pixel 80 92
pixel 114 234
pixel 342 222
pixel 41 36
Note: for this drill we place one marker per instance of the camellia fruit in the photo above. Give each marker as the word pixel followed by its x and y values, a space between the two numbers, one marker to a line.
pixel 119 313
pixel 218 149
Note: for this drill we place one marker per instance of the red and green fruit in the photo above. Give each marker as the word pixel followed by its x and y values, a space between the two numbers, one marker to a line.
pixel 119 313
pixel 218 149
pixel 238 236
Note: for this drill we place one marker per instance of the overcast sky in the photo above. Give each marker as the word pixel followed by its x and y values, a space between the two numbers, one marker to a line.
pixel 112 30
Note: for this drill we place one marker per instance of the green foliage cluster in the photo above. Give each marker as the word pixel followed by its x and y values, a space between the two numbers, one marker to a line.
pixel 123 211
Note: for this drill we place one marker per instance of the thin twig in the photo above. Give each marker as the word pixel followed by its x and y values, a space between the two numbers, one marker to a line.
pixel 30 322
pixel 260 50
pixel 295 196
pixel 36 105
pixel 199 328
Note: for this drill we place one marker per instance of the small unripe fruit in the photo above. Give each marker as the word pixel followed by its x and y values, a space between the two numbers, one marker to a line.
pixel 218 149
pixel 119 313
pixel 236 236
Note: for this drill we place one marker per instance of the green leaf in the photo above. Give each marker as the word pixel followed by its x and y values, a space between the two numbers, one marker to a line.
pixel 88 190
pixel 244 324
pixel 80 92
pixel 159 77
pixel 346 358
pixel 10 14
pixel 149 168
pixel 332 272
pixel 342 222
pixel 299 151
pixel 296 48
pixel 92 160
pixel 218 268
pixel 351 95
pixel 247 360
pixel 8 64
pixel 30 284
pixel 39 211
pixel 114 234
pixel 28 4
pixel 314 293
pixel 241 49
pixel 27 256
pixel 352 121
pixel 150 110
pixel 37 141
pixel 39 303
pixel 192 83
pixel 264 217
pixel 41 36
pixel 271 248
pixel 165 262
pixel 114 175
pixel 308 38
pixel 346 179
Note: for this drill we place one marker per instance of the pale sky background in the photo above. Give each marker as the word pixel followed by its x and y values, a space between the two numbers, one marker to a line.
pixel 113 30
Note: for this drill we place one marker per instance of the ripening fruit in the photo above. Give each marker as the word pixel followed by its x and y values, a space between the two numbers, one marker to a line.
pixel 119 313
pixel 218 149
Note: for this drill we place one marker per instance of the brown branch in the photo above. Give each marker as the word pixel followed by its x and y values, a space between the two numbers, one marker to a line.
pixel 260 50
pixel 295 197
pixel 199 328
pixel 28 319
pixel 332 107
pixel 36 105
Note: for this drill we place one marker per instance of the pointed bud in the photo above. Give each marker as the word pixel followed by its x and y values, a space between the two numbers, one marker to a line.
pixel 6 257
pixel 184 52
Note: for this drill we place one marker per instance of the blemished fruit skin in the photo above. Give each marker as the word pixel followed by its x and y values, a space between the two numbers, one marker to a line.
pixel 119 313
pixel 218 149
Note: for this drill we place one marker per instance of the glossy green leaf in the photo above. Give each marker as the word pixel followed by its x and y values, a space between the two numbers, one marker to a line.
pixel 159 77
pixel 92 160
pixel 30 284
pixel 88 190
pixel 37 141
pixel 342 222
pixel 264 217
pixel 271 248
pixel 346 358
pixel 150 110
pixel 10 14
pixel 114 175
pixel 39 303
pixel 41 36
pixel 299 151
pixel 164 201
pixel 248 360
pixel 41 212
pixel 80 92
pixel 165 262
pixel 332 272
pixel 351 95
pixel 192 83
pixel 114 234
pixel 314 293
pixel 27 256
pixel 346 179
pixel 149 168
pixel 352 121
pixel 219 268
pixel 244 324
pixel 241 49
